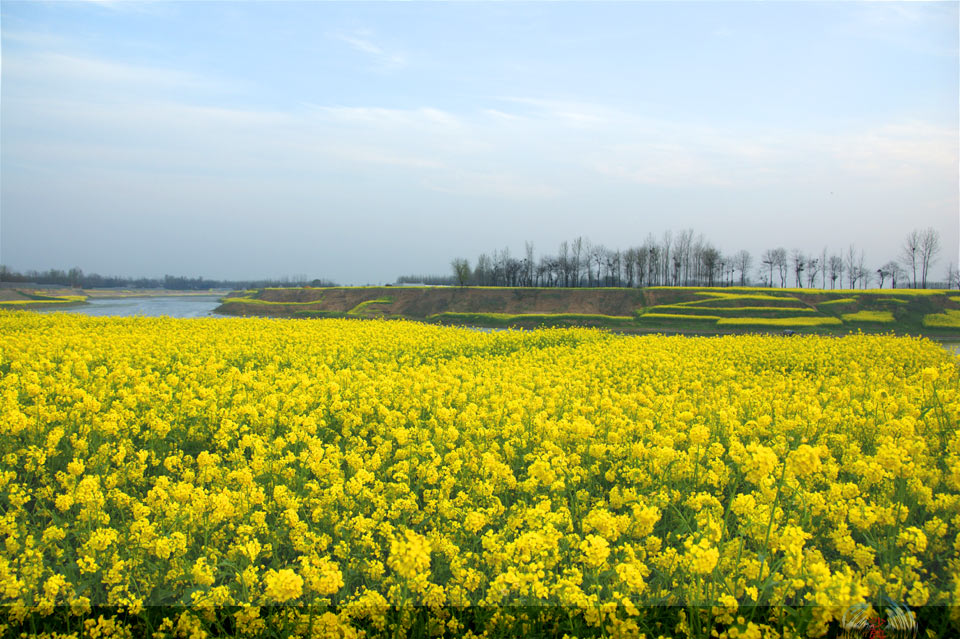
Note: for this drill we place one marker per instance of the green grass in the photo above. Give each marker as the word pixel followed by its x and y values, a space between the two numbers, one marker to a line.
pixel 736 296
pixel 319 314
pixel 814 291
pixel 946 319
pixel 247 300
pixel 842 300
pixel 504 319
pixel 882 317
pixel 671 316
pixel 732 309
pixel 896 301
pixel 779 321
pixel 361 308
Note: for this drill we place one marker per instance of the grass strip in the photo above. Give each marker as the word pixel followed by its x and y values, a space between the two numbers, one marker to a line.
pixel 733 309
pixel 360 308
pixel 779 321
pixel 656 315
pixel 507 318
pixel 842 300
pixel 883 317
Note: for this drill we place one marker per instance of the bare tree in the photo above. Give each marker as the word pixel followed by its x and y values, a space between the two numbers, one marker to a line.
pixel 883 272
pixel 854 265
pixel 892 271
pixel 769 259
pixel 836 270
pixel 461 270
pixel 780 257
pixel 929 248
pixel 683 251
pixel 630 265
pixel 641 258
pixel 742 262
pixel 598 254
pixel 665 255
pixel 575 255
pixel 863 272
pixel 528 263
pixel 814 266
pixel 711 261
pixel 482 274
pixel 653 260
pixel 909 253
pixel 953 276
pixel 799 265
pixel 823 268
pixel 564 259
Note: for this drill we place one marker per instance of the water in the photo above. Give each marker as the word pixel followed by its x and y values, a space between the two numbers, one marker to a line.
pixel 171 306
pixel 951 346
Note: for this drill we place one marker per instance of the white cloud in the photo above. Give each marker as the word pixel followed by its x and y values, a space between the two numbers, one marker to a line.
pixel 53 69
pixel 383 59
pixel 900 151
pixel 575 113
pixel 496 185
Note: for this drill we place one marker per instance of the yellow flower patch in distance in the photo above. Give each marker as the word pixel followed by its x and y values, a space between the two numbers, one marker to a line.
pixel 374 478
pixel 883 317
pixel 842 300
pixel 950 318
pixel 779 321
pixel 733 309
pixel 690 316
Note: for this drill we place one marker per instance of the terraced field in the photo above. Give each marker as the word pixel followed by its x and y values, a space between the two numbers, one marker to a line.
pixel 660 309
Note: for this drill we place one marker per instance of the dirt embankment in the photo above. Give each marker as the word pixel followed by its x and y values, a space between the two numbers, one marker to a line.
pixel 11 295
pixel 422 302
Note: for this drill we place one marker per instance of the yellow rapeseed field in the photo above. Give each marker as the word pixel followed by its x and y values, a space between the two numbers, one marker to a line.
pixel 349 478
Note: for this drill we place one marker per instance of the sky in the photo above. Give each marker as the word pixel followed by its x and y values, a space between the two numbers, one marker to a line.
pixel 358 142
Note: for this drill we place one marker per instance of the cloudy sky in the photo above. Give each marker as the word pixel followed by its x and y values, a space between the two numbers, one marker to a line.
pixel 362 141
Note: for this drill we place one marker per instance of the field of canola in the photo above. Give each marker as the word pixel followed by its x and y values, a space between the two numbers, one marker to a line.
pixel 343 478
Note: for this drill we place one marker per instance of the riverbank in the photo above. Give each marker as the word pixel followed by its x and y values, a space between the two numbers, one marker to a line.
pixel 69 298
pixel 666 310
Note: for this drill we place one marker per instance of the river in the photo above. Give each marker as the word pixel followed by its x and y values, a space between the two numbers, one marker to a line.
pixel 171 306
pixel 203 305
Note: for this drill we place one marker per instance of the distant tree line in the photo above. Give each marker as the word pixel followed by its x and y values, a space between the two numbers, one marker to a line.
pixel 76 278
pixel 686 259
pixel 430 280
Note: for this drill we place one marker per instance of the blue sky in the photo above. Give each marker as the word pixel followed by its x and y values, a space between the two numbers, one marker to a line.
pixel 362 141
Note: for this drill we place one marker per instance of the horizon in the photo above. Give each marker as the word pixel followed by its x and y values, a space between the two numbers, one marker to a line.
pixel 363 142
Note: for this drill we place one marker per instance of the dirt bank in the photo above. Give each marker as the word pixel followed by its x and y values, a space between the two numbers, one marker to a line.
pixel 422 302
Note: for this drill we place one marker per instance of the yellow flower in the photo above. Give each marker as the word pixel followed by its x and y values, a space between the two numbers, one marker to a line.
pixel 699 435
pixel 595 550
pixel 410 557
pixel 702 557
pixel 283 585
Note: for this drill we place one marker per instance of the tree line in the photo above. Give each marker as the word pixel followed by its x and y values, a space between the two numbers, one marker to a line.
pixel 76 278
pixel 686 259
